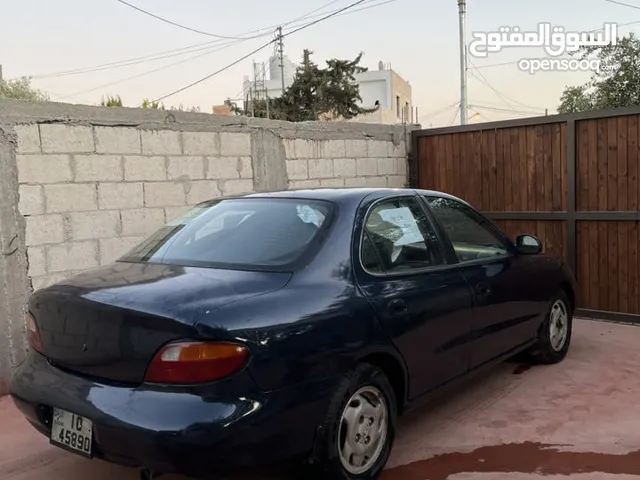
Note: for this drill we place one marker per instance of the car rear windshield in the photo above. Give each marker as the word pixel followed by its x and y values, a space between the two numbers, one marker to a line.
pixel 245 233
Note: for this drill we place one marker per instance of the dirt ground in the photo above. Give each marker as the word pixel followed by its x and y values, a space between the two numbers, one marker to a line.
pixel 578 420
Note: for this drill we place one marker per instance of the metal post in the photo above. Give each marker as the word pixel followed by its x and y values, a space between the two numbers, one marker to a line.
pixel 281 55
pixel 1 78
pixel 462 9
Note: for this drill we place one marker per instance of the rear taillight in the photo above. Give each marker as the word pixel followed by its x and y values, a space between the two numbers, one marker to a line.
pixel 33 334
pixel 196 362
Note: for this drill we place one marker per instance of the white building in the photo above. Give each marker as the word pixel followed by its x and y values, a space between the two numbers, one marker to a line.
pixel 383 87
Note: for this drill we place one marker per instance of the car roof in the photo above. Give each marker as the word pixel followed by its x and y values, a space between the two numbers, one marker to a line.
pixel 345 194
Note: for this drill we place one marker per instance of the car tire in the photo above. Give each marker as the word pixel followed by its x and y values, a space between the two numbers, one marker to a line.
pixel 554 335
pixel 359 428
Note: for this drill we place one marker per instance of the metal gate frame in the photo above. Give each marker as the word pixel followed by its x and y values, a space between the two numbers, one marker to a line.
pixel 571 215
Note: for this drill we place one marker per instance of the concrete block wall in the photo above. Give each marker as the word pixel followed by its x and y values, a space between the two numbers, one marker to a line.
pixel 79 186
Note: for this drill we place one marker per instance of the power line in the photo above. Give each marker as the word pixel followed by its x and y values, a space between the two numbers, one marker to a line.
pixel 207 77
pixel 616 2
pixel 148 72
pixel 507 110
pixel 440 110
pixel 222 37
pixel 256 33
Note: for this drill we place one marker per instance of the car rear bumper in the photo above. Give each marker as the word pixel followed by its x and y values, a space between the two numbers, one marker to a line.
pixel 172 431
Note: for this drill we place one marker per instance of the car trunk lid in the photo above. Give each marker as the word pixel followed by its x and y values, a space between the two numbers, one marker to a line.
pixel 108 323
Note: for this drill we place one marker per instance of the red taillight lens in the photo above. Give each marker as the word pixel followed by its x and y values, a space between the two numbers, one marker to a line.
pixel 196 362
pixel 33 334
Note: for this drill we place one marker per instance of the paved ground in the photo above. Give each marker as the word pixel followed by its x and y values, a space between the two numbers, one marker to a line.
pixel 579 420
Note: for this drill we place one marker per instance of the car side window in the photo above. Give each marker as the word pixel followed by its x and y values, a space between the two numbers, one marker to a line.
pixel 398 235
pixel 471 235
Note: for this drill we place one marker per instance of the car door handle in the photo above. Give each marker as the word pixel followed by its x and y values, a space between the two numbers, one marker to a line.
pixel 483 290
pixel 398 307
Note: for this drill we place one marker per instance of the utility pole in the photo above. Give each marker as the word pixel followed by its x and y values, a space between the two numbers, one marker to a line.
pixel 462 9
pixel 281 55
pixel 1 73
pixel 255 88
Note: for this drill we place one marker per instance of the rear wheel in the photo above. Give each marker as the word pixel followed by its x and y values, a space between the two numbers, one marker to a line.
pixel 554 336
pixel 360 427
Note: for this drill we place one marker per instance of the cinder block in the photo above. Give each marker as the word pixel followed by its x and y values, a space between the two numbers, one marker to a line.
pixel 201 191
pixel 236 187
pixel 43 229
pixel 164 194
pixel 297 169
pixel 402 166
pixel 138 168
pixel 160 142
pixel 70 198
pixel 377 148
pixel 246 168
pixel 321 168
pixel 72 256
pixel 334 149
pixel 223 167
pixel 28 138
pixel 399 150
pixel 113 248
pixel 118 140
pixel 387 166
pixel 366 167
pixel 98 224
pixel 61 138
pixel 332 182
pixel 376 181
pixel 344 167
pixel 90 168
pixel 173 213
pixel 37 261
pixel 396 181
pixel 45 281
pixel 308 148
pixel 289 148
pixel 302 184
pixel 44 168
pixel 31 200
pixel 141 221
pixel 355 182
pixel 113 196
pixel 356 148
pixel 186 168
pixel 201 143
pixel 235 144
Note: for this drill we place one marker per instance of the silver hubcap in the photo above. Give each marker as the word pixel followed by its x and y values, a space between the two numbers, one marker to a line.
pixel 363 430
pixel 558 325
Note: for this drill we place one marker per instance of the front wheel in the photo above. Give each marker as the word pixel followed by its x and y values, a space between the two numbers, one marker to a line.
pixel 360 427
pixel 554 336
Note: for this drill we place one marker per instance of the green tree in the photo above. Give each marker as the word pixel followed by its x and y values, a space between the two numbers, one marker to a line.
pixel 111 101
pixel 615 84
pixel 315 93
pixel 21 89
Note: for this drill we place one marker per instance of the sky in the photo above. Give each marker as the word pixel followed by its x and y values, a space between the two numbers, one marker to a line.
pixel 419 38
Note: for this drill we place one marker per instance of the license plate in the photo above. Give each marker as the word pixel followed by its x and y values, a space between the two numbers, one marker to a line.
pixel 72 432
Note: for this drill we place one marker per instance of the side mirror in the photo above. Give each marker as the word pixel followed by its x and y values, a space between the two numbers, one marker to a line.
pixel 528 245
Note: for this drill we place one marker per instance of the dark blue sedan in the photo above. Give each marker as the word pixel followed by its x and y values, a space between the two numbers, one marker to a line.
pixel 285 326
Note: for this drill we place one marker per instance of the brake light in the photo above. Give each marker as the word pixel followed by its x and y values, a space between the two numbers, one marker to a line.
pixel 196 362
pixel 33 334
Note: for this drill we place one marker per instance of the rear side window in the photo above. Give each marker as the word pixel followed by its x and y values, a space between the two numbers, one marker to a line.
pixel 398 237
pixel 252 233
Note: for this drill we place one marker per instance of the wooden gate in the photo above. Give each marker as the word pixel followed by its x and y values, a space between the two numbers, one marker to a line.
pixel 572 180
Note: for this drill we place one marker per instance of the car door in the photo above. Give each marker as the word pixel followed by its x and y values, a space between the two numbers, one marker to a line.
pixel 422 302
pixel 504 316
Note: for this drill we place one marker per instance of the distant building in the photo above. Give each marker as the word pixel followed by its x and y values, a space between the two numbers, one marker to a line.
pixel 222 110
pixel 382 87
